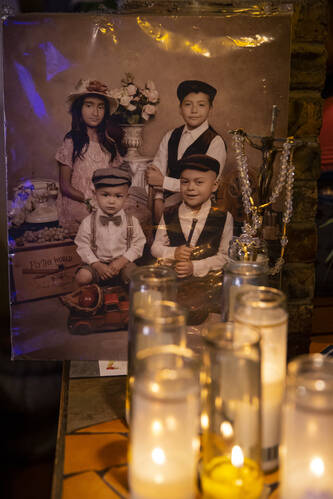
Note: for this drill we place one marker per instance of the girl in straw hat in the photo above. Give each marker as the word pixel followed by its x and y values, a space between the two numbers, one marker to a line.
pixel 91 144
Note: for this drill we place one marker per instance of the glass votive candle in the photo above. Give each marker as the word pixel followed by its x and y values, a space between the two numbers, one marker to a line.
pixel 164 436
pixel 162 323
pixel 240 275
pixel 306 450
pixel 230 417
pixel 265 308
pixel 148 284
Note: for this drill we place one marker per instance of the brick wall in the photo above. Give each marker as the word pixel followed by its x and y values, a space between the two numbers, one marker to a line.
pixel 308 69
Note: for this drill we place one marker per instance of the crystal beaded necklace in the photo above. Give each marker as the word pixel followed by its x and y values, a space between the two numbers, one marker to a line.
pixel 285 179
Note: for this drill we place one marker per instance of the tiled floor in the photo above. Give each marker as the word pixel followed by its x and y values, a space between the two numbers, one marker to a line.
pixel 95 462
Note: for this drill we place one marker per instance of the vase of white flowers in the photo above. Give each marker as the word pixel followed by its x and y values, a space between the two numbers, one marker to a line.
pixel 136 106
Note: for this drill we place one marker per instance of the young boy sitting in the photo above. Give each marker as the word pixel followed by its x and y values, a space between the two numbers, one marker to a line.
pixel 109 241
pixel 195 232
pixel 196 136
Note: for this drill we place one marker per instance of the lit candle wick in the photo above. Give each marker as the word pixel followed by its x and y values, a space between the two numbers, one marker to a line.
pixel 237 457
pixel 158 455
pixel 227 430
pixel 317 466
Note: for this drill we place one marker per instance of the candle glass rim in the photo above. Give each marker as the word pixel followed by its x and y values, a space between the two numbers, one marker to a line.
pixel 246 268
pixel 228 344
pixel 163 373
pixel 304 371
pixel 153 274
pixel 178 319
pixel 168 349
pixel 256 302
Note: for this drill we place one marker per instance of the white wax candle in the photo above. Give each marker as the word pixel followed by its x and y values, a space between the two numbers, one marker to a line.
pixel 272 324
pixel 272 396
pixel 244 418
pixel 164 441
pixel 307 454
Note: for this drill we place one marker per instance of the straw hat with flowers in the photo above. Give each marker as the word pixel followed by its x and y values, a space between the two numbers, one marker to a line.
pixel 95 87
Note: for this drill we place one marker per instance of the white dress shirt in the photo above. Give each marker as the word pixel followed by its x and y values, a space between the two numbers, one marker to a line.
pixel 111 240
pixel 161 247
pixel 216 150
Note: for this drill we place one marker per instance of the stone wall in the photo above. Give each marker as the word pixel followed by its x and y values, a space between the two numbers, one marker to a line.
pixel 308 70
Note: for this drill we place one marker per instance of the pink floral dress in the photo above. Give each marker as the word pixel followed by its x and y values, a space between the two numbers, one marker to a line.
pixel 71 212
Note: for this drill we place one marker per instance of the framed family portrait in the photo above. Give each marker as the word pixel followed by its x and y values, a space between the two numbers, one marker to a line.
pixel 108 120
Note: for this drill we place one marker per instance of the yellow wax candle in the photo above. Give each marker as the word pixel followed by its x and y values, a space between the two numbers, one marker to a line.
pixel 221 479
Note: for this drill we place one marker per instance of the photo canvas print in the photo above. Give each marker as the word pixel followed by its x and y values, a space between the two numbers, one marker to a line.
pixel 117 132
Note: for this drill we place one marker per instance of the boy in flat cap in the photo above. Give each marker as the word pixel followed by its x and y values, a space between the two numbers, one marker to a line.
pixel 195 233
pixel 108 240
pixel 196 136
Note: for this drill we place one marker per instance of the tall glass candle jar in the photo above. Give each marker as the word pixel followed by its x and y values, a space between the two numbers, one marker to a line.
pixel 164 436
pixel 149 284
pixel 160 323
pixel 306 450
pixel 230 416
pixel 265 308
pixel 240 275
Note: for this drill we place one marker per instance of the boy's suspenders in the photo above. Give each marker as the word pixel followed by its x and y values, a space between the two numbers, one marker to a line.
pixel 129 233
pixel 93 232
pixel 130 230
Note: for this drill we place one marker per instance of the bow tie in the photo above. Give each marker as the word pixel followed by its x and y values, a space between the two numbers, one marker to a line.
pixel 104 219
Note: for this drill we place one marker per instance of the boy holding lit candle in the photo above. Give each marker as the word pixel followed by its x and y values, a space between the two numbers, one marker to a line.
pixel 195 233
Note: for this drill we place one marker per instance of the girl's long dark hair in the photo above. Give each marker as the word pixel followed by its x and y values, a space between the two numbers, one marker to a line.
pixel 108 133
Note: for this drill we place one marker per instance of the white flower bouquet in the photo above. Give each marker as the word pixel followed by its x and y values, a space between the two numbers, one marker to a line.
pixel 136 105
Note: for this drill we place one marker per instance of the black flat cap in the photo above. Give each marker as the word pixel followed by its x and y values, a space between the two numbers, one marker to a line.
pixel 201 162
pixel 111 176
pixel 188 86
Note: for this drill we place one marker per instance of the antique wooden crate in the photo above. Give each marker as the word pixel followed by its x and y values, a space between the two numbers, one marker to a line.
pixel 41 270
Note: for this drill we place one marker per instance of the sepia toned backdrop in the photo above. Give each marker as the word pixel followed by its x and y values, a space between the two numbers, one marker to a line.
pixel 247 59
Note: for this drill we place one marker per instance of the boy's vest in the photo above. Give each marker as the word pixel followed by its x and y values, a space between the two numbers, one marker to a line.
pixel 199 146
pixel 210 237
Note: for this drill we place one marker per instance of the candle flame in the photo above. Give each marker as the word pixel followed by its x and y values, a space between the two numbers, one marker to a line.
pixel 156 427
pixel 196 444
pixel 320 385
pixel 155 388
pixel 227 429
pixel 204 421
pixel 158 455
pixel 145 330
pixel 237 457
pixel 317 466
